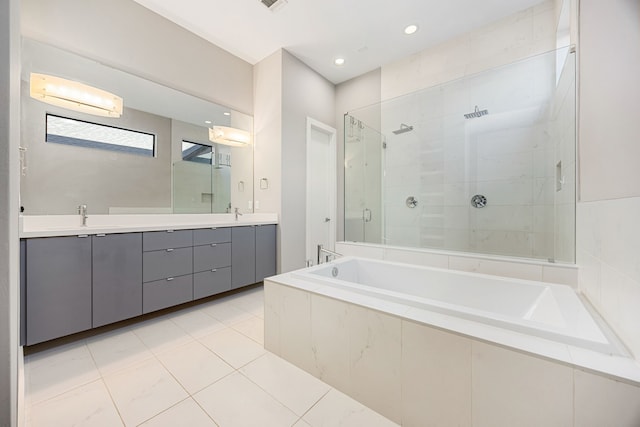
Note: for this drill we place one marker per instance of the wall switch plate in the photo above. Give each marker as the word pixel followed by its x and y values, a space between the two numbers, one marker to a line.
pixel 257 204
pixel 249 204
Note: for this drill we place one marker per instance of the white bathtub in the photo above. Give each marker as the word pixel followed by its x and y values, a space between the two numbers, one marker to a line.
pixel 548 311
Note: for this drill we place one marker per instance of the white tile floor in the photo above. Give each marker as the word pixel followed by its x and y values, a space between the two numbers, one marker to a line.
pixel 201 366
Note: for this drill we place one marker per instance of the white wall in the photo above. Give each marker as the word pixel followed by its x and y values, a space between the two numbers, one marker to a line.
pixel 608 231
pixel 286 93
pixel 9 182
pixel 267 161
pixel 129 37
pixel 304 94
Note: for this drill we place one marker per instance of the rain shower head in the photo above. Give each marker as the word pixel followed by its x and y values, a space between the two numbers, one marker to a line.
pixel 476 113
pixel 403 128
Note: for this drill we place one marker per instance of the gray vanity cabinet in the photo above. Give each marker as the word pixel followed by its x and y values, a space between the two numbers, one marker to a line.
pixel 167 269
pixel 117 277
pixel 58 287
pixel 243 256
pixel 71 284
pixel 23 292
pixel 265 251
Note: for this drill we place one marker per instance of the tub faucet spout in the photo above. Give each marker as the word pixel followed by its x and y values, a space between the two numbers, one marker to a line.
pixel 82 210
pixel 326 253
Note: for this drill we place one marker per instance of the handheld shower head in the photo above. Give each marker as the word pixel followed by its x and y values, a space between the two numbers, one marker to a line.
pixel 403 128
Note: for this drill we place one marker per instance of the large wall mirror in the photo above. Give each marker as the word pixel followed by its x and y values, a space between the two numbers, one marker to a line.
pixel 72 158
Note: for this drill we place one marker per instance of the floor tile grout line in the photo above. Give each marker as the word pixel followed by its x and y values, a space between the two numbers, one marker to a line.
pixel 30 402
pixel 113 401
pixel 278 400
pixel 314 405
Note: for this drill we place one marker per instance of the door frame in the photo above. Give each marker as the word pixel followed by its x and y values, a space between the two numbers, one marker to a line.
pixel 333 184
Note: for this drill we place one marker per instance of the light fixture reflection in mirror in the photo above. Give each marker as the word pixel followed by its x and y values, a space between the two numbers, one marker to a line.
pixel 74 96
pixel 229 136
pixel 118 182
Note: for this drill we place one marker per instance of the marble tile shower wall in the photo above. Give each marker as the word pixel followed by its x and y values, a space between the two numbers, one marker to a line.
pixel 508 156
pixel 609 259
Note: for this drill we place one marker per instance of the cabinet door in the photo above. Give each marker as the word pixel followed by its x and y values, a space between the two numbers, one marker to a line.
pixel 265 251
pixel 117 277
pixel 206 236
pixel 156 240
pixel 165 293
pixel 167 263
pixel 23 292
pixel 214 281
pixel 215 255
pixel 243 256
pixel 58 287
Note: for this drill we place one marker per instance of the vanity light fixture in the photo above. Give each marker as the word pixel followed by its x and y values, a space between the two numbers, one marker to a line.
pixel 410 29
pixel 226 113
pixel 229 136
pixel 74 96
pixel 339 62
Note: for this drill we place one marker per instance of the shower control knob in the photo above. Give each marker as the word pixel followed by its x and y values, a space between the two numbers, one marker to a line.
pixel 478 201
pixel 411 202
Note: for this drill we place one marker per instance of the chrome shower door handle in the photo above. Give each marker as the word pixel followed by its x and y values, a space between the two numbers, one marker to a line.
pixel 366 215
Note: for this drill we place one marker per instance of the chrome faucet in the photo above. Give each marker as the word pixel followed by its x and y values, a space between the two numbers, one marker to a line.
pixel 326 253
pixel 82 210
pixel 237 213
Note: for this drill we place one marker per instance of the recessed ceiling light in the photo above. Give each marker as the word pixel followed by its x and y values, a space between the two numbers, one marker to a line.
pixel 226 113
pixel 338 61
pixel 208 122
pixel 410 29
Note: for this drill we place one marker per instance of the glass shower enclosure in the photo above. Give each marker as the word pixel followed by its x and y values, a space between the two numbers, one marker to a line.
pixel 483 164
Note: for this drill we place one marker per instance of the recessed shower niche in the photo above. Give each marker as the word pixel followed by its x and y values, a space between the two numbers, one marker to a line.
pixel 499 134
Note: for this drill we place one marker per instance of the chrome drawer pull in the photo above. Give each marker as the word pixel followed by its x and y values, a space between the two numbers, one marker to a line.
pixel 82 236
pixel 169 250
pixel 169 279
pixel 100 235
pixel 214 270
pixel 170 231
pixel 214 228
pixel 213 245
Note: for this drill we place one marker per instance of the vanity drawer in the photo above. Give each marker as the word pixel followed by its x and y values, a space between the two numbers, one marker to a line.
pixel 214 255
pixel 166 263
pixel 156 240
pixel 166 293
pixel 207 283
pixel 205 236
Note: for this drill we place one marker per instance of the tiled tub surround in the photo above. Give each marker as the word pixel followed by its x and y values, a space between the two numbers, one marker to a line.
pixel 419 367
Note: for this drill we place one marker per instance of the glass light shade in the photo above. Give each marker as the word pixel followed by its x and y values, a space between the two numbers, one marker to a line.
pixel 74 96
pixel 229 136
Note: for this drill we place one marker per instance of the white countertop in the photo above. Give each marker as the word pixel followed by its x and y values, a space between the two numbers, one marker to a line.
pixel 70 225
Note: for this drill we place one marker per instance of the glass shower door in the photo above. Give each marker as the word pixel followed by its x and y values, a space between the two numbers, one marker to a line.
pixel 363 171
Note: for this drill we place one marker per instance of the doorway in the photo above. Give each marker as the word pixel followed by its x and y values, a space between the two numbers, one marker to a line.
pixel 321 188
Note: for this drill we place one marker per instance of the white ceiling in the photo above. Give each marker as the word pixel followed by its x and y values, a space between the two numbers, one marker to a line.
pixel 367 33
